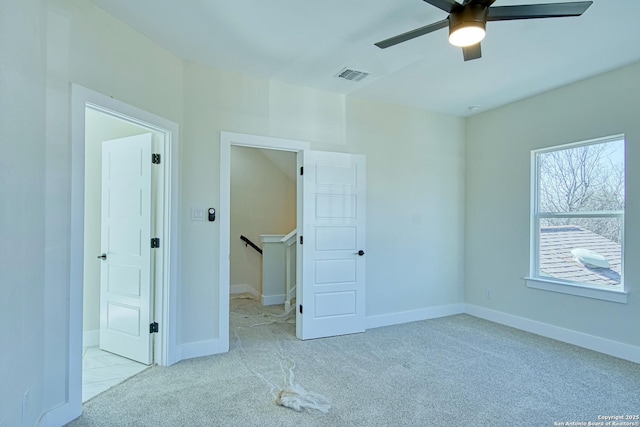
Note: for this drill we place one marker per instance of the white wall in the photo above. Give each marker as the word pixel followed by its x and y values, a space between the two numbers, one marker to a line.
pixel 293 113
pixel 215 100
pixel 415 207
pixel 263 201
pixel 99 127
pixel 499 143
pixel 22 201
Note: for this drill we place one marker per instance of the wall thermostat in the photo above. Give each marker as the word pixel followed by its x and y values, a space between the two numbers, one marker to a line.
pixel 212 214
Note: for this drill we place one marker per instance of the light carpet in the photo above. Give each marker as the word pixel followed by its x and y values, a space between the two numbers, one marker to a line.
pixel 452 371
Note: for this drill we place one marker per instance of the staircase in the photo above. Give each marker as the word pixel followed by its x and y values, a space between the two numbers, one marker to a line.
pixel 279 269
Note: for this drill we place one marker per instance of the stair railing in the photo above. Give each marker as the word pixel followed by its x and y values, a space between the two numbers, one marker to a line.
pixel 248 242
pixel 289 242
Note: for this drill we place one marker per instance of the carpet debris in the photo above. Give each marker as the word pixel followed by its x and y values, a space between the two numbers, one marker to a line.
pixel 289 395
pixel 294 396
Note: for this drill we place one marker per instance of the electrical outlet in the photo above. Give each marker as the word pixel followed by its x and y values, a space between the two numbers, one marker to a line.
pixel 25 402
pixel 489 294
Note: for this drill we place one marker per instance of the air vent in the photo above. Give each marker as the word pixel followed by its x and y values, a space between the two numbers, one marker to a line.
pixel 589 258
pixel 352 75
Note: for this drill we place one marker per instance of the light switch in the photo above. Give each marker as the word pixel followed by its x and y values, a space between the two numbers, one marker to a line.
pixel 197 214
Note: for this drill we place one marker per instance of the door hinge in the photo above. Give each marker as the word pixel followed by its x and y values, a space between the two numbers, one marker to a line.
pixel 300 308
pixel 155 242
pixel 301 239
pixel 155 158
pixel 301 170
pixel 153 328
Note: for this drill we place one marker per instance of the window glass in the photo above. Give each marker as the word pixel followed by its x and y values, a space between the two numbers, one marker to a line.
pixel 578 214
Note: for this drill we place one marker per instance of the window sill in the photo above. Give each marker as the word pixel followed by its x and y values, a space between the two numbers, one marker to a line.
pixel 612 295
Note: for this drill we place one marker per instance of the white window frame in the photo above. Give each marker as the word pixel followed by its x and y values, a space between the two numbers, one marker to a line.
pixel 535 280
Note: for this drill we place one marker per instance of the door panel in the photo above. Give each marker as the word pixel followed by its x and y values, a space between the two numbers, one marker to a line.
pixel 125 280
pixel 335 206
pixel 126 275
pixel 333 271
pixel 330 304
pixel 123 319
pixel 332 295
pixel 336 238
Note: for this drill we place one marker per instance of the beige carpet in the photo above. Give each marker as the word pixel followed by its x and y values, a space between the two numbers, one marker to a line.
pixel 453 371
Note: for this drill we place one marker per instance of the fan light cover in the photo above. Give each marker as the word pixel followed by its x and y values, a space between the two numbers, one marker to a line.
pixel 466 35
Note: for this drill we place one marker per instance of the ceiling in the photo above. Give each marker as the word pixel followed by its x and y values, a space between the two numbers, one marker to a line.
pixel 309 42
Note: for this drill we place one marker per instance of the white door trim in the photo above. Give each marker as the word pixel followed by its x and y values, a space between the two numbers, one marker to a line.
pixel 227 139
pixel 166 350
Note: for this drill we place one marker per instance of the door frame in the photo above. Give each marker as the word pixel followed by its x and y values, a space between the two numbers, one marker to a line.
pixel 228 139
pixel 165 347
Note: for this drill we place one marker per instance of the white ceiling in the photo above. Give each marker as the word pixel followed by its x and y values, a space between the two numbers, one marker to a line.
pixel 308 42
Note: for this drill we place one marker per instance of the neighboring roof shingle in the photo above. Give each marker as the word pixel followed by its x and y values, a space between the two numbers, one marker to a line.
pixel 556 260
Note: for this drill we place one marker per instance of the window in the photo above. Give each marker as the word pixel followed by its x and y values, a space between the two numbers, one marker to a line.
pixel 578 194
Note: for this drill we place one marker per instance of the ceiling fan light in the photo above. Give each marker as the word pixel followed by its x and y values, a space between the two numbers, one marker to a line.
pixel 467 34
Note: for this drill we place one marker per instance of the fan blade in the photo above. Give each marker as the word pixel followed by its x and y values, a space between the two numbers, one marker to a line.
pixel 472 52
pixel 413 34
pixel 485 3
pixel 446 5
pixel 533 11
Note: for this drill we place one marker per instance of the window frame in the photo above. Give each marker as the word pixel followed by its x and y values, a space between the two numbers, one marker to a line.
pixel 535 279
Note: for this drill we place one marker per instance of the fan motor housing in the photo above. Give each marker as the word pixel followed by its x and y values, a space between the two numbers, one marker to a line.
pixel 471 15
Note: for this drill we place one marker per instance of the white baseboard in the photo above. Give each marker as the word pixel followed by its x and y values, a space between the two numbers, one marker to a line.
pixel 601 345
pixel 91 338
pixel 272 299
pixel 591 342
pixel 203 348
pixel 380 320
pixel 60 415
pixel 244 289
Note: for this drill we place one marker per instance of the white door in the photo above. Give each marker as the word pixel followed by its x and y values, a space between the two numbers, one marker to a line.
pixel 331 300
pixel 125 275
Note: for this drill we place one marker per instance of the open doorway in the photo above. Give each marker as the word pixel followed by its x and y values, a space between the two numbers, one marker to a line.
pixel 89 109
pixel 227 141
pixel 331 221
pixel 108 360
pixel 263 221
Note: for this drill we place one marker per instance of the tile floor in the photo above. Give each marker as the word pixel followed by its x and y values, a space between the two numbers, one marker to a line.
pixel 102 370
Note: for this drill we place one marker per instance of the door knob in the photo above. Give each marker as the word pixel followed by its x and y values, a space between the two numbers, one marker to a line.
pixel 103 256
pixel 360 252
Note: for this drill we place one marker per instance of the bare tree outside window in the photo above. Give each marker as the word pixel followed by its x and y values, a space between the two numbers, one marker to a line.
pixel 586 178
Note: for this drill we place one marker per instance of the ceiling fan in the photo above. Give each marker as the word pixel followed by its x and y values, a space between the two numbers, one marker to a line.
pixel 467 21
